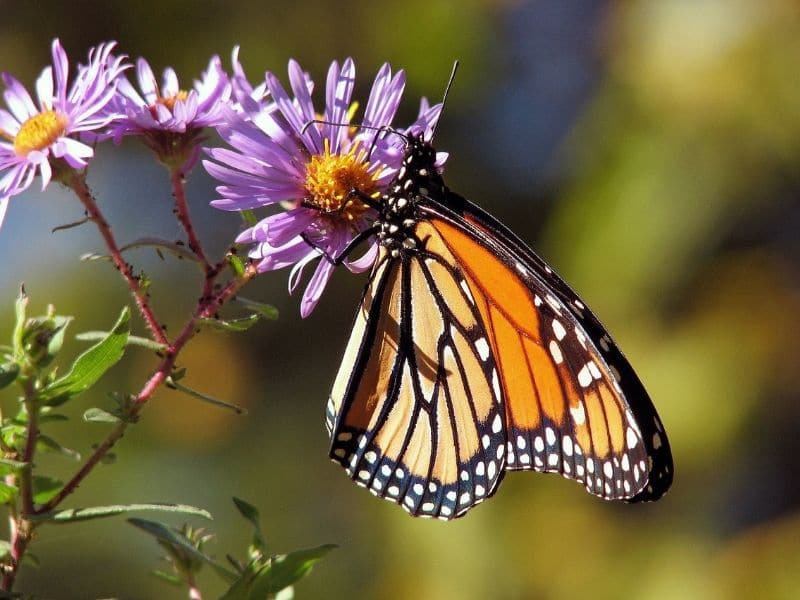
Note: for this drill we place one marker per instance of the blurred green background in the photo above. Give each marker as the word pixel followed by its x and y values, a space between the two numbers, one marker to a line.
pixel 650 150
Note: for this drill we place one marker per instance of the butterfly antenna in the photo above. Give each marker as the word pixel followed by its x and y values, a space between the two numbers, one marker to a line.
pixel 444 97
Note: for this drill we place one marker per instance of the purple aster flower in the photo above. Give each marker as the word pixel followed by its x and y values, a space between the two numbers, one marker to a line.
pixel 285 152
pixel 171 119
pixel 31 136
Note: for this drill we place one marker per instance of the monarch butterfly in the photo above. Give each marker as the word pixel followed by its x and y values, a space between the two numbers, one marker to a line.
pixel 470 357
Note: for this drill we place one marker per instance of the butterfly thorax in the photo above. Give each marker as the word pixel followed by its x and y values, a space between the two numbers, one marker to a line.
pixel 417 180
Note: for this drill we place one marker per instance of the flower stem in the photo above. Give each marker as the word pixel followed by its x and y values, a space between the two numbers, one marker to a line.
pixel 20 527
pixel 81 189
pixel 206 308
pixel 182 212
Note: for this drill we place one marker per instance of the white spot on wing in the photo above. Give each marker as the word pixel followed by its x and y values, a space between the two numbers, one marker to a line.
pixel 555 352
pixel 578 414
pixel 465 286
pixel 497 424
pixel 483 348
pixel 559 330
pixel 584 377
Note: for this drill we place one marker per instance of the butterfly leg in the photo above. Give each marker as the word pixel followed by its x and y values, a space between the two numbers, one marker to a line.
pixel 352 245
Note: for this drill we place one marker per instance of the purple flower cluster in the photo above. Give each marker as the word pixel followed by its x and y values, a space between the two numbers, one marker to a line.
pixel 285 152
pixel 281 150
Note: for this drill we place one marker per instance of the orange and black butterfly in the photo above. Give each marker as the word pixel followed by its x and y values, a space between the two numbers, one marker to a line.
pixel 470 357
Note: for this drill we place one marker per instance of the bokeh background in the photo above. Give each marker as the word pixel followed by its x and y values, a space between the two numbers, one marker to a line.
pixel 650 150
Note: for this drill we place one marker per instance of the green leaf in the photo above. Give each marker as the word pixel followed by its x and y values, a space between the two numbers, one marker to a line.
pixel 178 250
pixel 235 325
pixel 91 365
pixel 73 515
pixel 250 512
pixel 288 569
pixel 170 578
pixel 5 549
pixel 171 383
pixel 45 488
pixel 133 340
pixel 19 326
pixel 265 310
pixel 8 374
pixel 14 465
pixel 249 217
pixel 59 325
pixel 7 492
pixel 48 444
pixel 279 574
pixel 236 264
pixel 98 415
pixel 167 535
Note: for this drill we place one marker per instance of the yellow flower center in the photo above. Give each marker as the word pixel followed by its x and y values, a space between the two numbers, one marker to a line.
pixel 169 101
pixel 331 179
pixel 38 132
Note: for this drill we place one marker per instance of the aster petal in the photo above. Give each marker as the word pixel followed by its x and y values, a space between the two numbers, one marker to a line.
pixel 72 151
pixel 299 82
pixel 3 208
pixel 293 253
pixel 170 85
pixel 296 274
pixel 18 99
pixel 293 116
pixel 61 65
pixel 364 262
pixel 283 227
pixel 44 87
pixel 46 172
pixel 8 123
pixel 384 99
pixel 315 288
pixel 339 91
pixel 147 81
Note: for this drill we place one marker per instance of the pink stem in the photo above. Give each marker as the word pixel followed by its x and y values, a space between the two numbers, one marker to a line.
pixel 78 185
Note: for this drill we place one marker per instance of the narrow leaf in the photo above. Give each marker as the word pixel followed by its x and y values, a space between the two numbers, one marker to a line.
pixel 200 396
pixel 70 225
pixel 15 465
pixel 73 515
pixel 91 365
pixel 288 569
pixel 45 488
pixel 249 217
pixel 236 325
pixel 170 578
pixel 55 343
pixel 133 340
pixel 178 250
pixel 8 374
pixel 236 264
pixel 7 492
pixel 266 310
pixel 166 535
pixel 49 444
pixel 250 512
pixel 19 326
pixel 98 415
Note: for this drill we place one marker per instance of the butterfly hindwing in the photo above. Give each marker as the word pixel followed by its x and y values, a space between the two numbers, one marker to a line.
pixel 414 414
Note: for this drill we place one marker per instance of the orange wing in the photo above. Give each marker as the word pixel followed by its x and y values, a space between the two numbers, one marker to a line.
pixel 565 408
pixel 415 413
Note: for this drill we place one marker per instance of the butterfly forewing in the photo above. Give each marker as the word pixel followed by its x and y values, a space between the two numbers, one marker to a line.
pixel 567 410
pixel 416 417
